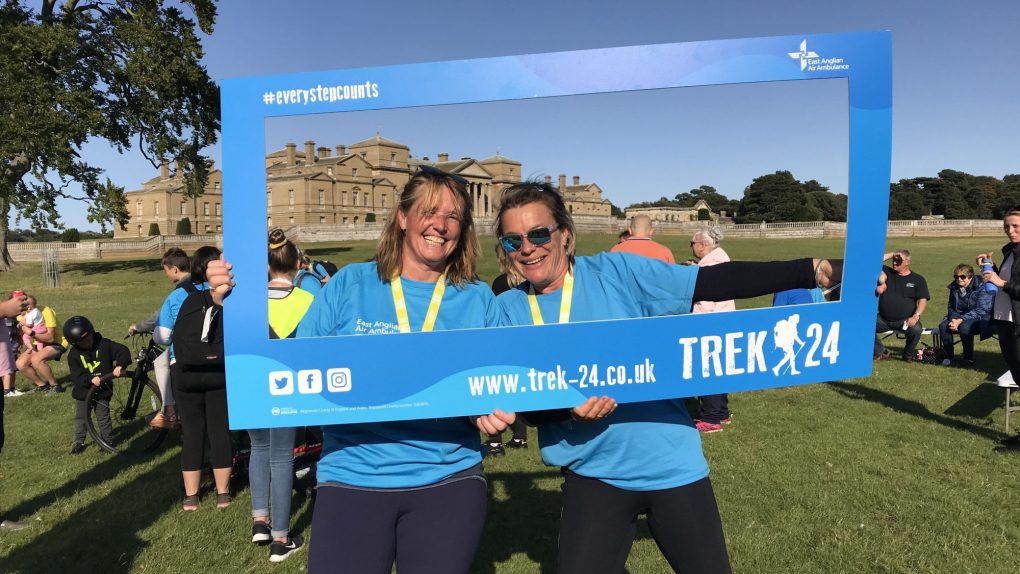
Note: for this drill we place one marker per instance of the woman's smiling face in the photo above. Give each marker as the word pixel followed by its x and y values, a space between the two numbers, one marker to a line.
pixel 544 266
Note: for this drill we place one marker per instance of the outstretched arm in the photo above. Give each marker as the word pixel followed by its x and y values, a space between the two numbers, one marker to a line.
pixel 746 279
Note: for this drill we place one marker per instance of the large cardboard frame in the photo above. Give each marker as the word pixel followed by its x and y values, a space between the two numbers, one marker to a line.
pixel 335 380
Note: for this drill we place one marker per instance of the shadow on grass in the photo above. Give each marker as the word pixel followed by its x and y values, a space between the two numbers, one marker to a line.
pixel 526 522
pixel 112 466
pixel 860 392
pixel 104 532
pixel 98 267
pixel 980 402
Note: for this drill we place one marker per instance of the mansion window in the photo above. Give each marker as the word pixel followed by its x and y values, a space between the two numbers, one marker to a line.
pixel 205 209
pixel 343 198
pixel 290 197
pixel 269 199
pixel 219 210
pixel 382 201
pixel 354 199
pixel 155 208
pixel 354 172
pixel 138 207
pixel 322 197
pixel 184 208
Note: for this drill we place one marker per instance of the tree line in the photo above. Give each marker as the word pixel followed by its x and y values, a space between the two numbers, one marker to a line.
pixel 773 197
pixel 780 196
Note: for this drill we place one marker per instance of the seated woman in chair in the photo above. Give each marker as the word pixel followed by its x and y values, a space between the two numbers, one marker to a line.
pixel 968 314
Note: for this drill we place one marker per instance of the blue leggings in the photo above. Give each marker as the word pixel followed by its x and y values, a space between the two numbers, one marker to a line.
pixel 271 475
pixel 426 530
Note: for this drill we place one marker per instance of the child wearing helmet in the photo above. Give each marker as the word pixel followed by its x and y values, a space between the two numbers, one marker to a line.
pixel 90 358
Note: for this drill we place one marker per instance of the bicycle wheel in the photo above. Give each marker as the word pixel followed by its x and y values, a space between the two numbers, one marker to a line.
pixel 129 404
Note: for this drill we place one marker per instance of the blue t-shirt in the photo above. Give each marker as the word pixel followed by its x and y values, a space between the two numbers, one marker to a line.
pixel 401 454
pixel 797 297
pixel 640 446
pixel 308 282
pixel 163 333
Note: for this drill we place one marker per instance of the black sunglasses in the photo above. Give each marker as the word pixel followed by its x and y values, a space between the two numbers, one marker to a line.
pixel 962 276
pixel 436 172
pixel 538 236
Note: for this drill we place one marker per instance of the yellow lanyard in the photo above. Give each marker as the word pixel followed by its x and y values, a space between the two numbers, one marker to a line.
pixel 565 301
pixel 401 305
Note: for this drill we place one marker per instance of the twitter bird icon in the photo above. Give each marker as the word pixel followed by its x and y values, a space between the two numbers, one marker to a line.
pixel 281 383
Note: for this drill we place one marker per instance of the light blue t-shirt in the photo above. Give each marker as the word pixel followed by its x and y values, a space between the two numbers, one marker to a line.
pixel 401 454
pixel 798 297
pixel 640 446
pixel 163 333
pixel 308 282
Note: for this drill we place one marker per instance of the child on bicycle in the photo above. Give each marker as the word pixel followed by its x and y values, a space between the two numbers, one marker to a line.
pixel 90 358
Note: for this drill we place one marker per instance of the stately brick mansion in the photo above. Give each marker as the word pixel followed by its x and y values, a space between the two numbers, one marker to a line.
pixel 347 185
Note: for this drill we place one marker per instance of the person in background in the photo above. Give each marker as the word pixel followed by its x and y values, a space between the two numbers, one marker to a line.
pixel 35 365
pixel 92 357
pixel 202 411
pixel 903 296
pixel 177 268
pixel 10 308
pixel 1006 305
pixel 33 320
pixel 968 313
pixel 714 410
pixel 7 357
pixel 639 241
pixel 271 466
pixel 494 445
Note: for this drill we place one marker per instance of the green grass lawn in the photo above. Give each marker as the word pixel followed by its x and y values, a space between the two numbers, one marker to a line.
pixel 891 473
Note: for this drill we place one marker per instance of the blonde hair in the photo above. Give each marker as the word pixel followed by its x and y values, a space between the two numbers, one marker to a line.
pixel 428 186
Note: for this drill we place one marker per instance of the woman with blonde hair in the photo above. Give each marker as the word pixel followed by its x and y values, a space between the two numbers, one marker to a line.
pixel 410 492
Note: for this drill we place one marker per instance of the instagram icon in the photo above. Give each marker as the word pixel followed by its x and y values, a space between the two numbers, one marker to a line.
pixel 338 380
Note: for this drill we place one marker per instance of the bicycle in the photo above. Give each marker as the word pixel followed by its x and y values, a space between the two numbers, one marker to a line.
pixel 307 450
pixel 130 427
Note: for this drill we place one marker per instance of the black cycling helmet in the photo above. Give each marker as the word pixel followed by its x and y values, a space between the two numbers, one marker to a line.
pixel 77 329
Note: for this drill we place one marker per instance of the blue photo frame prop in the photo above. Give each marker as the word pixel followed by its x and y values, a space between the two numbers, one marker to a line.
pixel 336 380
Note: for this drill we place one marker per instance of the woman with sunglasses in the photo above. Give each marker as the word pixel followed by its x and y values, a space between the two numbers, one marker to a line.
pixel 620 461
pixel 969 312
pixel 410 492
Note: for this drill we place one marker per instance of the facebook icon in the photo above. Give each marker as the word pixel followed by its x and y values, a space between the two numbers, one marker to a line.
pixel 309 381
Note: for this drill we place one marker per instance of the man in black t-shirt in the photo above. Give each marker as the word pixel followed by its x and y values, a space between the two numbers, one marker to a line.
pixel 903 295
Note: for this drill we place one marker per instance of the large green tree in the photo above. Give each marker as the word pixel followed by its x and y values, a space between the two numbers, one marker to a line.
pixel 125 71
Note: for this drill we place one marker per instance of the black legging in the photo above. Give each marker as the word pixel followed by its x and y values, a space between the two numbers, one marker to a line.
pixel 202 414
pixel 1009 345
pixel 432 530
pixel 599 521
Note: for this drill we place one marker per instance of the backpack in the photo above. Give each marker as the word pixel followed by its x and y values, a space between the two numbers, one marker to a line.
pixel 198 341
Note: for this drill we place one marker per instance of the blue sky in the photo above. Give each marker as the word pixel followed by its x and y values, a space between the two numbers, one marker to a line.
pixel 955 89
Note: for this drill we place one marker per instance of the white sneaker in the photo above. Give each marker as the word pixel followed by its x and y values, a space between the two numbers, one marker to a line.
pixel 12 393
pixel 946 362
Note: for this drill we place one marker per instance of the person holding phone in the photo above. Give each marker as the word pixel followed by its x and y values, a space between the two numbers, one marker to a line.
pixel 902 298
